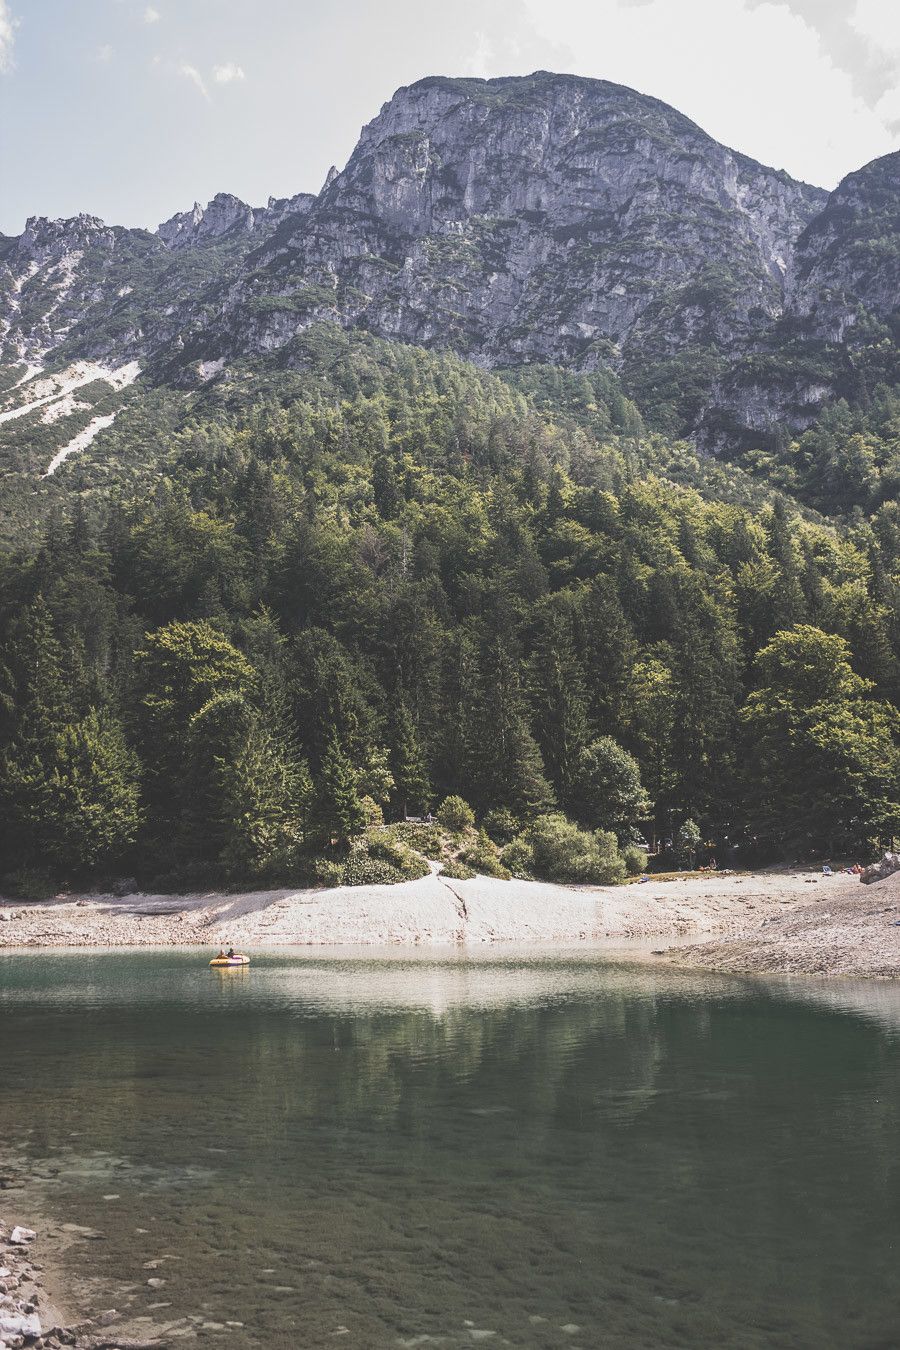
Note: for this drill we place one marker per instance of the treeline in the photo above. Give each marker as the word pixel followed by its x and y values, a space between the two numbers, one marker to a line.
pixel 411 583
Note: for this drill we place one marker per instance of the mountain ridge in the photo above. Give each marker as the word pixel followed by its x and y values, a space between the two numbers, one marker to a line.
pixel 548 219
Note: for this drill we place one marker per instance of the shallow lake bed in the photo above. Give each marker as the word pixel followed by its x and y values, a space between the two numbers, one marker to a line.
pixel 420 1148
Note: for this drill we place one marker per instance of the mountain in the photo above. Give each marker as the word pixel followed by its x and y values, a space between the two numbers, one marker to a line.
pixel 319 512
pixel 547 219
pixel 847 261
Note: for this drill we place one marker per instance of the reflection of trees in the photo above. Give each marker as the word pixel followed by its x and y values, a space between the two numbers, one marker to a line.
pixel 595 1140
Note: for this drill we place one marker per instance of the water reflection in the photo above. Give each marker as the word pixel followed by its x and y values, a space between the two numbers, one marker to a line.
pixel 406 1145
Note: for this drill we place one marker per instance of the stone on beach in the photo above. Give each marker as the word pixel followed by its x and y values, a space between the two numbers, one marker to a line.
pixel 19 1324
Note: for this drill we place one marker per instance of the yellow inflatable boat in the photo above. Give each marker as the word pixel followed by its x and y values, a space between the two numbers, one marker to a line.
pixel 229 962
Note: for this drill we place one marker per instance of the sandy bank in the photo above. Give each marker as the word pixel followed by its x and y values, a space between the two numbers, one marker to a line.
pixel 775 920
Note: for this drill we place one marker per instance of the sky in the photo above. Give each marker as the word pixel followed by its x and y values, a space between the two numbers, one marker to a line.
pixel 132 111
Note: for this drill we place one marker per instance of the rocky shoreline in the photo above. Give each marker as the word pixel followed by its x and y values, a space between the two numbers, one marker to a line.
pixel 28 1316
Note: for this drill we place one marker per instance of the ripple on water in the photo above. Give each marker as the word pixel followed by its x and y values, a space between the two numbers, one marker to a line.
pixel 420 1151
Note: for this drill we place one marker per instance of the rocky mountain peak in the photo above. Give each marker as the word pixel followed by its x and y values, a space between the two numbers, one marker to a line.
pixel 544 218
pixel 224 215
pixel 849 255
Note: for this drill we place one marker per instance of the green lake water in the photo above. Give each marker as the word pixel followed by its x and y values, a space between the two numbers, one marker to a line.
pixel 423 1149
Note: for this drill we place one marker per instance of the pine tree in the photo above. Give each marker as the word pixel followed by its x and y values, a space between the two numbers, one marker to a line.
pixel 504 760
pixel 339 813
pixel 71 797
pixel 560 701
pixel 413 789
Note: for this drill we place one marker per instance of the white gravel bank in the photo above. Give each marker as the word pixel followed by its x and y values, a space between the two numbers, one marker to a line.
pixel 429 911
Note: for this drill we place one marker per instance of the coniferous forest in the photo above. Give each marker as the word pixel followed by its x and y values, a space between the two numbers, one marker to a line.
pixel 393 585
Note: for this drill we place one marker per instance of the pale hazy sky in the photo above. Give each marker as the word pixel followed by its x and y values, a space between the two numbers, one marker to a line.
pixel 130 110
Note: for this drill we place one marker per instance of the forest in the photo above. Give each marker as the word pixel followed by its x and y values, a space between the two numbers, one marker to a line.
pixel 390 584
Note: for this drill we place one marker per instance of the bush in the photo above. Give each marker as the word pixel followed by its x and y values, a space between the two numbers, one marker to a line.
pixel 560 851
pixel 455 814
pixel 635 860
pixel 456 870
pixel 326 871
pixel 484 856
pixel 425 839
pixel 361 870
pixel 687 841
pixel 502 825
pixel 518 858
pixel 373 812
pixel 386 846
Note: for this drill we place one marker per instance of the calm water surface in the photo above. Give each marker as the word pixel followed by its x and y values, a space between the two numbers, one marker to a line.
pixel 425 1149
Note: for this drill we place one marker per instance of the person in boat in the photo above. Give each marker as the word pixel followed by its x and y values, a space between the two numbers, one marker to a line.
pixel 230 953
pixel 221 956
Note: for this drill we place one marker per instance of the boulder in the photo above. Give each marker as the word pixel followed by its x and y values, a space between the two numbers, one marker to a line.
pixel 19 1324
pixel 885 867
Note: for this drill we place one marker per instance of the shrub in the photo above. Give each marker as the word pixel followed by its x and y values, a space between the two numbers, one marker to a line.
pixel 386 846
pixel 484 856
pixel 518 858
pixel 326 871
pixel 635 860
pixel 687 841
pixel 501 825
pixel 362 870
pixel 425 839
pixel 455 814
pixel 457 870
pixel 373 812
pixel 562 852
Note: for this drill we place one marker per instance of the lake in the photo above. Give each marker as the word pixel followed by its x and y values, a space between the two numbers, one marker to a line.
pixel 417 1149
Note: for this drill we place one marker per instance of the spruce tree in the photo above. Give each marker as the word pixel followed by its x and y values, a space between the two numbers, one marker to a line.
pixel 339 813
pixel 413 789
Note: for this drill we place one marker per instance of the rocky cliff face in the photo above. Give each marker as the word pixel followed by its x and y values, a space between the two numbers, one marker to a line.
pixel 550 218
pixel 542 219
pixel 847 262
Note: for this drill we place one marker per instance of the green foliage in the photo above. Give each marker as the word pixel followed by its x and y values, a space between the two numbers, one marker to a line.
pixel 338 810
pixel 413 787
pixel 553 848
pixel 607 790
pixel 687 841
pixel 456 870
pixel 72 796
pixel 326 871
pixel 823 759
pixel 484 856
pixel 455 814
pixel 635 860
pixel 501 825
pixel 391 847
pixel 378 572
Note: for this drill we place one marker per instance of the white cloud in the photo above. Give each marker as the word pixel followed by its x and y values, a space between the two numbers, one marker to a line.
pixel 7 37
pixel 228 73
pixel 192 73
pixel 151 15
pixel 880 23
pixel 105 53
pixel 754 75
